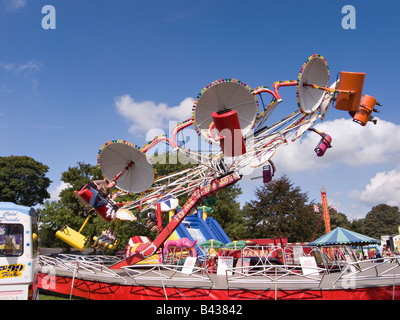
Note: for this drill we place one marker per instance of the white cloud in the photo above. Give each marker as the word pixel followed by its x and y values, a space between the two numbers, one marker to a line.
pixel 14 4
pixel 147 115
pixel 55 192
pixel 352 144
pixel 7 66
pixel 29 67
pixel 383 188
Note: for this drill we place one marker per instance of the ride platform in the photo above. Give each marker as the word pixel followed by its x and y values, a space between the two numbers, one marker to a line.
pixel 89 277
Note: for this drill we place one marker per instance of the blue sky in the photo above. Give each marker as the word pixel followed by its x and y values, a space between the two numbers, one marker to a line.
pixel 67 91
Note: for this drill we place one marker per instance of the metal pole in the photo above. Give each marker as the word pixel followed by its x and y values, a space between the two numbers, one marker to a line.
pixel 84 224
pixel 130 164
pixel 276 283
pixel 162 281
pixel 394 284
pixel 73 280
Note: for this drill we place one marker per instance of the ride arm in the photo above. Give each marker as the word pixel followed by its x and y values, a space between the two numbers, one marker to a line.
pixel 214 186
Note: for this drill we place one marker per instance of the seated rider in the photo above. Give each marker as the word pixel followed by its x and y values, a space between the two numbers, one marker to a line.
pixel 100 191
pixel 111 239
pixel 105 237
pixel 152 221
pixel 112 206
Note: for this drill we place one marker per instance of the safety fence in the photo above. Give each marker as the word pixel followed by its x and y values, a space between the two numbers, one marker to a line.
pixel 274 275
pixel 84 266
pixel 370 270
pixel 169 274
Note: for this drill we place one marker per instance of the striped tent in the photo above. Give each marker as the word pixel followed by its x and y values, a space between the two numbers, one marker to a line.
pixel 343 236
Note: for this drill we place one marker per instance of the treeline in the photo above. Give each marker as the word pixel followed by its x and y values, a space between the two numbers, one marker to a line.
pixel 279 208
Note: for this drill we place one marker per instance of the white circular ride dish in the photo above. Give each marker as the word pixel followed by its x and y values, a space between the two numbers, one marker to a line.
pixel 225 95
pixel 314 72
pixel 116 156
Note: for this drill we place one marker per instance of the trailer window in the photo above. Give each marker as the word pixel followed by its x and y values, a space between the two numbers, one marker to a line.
pixel 11 240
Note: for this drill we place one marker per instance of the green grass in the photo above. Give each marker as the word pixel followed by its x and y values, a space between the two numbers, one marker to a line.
pixel 45 297
pixel 50 297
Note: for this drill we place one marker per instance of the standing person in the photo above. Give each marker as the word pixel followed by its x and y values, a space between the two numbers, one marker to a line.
pixel 386 252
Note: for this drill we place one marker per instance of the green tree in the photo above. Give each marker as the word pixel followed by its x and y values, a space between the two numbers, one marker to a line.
pixel 381 220
pixel 280 209
pixel 23 180
pixel 357 225
pixel 338 219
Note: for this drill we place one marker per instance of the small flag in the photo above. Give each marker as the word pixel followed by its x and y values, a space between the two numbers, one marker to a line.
pixel 335 208
pixel 316 209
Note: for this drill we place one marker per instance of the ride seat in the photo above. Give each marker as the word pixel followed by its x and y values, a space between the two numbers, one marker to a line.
pixel 73 238
pixel 108 245
pixel 84 196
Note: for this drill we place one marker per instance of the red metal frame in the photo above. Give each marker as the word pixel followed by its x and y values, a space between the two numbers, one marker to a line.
pixel 327 219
